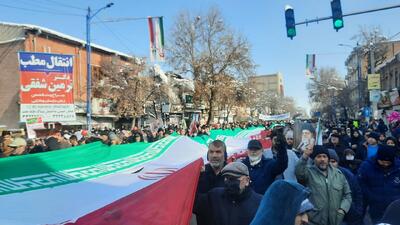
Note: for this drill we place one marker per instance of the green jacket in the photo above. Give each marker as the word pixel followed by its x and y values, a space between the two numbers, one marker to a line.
pixel 328 194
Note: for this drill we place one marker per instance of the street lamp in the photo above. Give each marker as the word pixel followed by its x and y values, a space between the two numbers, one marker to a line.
pixel 89 18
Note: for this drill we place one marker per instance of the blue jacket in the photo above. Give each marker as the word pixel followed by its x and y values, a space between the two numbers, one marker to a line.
pixel 264 173
pixel 280 204
pixel 380 187
pixel 355 214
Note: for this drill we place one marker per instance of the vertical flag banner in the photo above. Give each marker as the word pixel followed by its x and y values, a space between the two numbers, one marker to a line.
pixel 156 31
pixel 310 65
pixel 46 89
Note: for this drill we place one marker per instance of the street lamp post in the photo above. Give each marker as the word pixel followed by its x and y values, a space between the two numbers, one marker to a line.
pixel 89 17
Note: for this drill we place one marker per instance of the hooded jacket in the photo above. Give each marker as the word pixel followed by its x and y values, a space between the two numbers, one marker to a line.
pixel 328 194
pixel 281 195
pixel 380 187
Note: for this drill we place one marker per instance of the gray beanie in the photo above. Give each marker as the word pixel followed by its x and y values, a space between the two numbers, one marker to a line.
pixel 333 155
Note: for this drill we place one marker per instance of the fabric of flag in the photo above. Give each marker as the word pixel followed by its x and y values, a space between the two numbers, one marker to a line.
pixel 310 65
pixel 319 133
pixel 97 184
pixel 156 31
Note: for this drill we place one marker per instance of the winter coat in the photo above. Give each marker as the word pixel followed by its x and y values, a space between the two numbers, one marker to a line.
pixel 288 174
pixel 328 194
pixel 281 195
pixel 380 187
pixel 209 180
pixel 382 128
pixel 355 214
pixel 264 173
pixel 221 209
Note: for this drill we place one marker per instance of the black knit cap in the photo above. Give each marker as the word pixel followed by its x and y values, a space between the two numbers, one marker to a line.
pixel 386 153
pixel 319 149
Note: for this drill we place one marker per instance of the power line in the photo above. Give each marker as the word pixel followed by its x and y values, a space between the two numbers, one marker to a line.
pixel 36 5
pixel 65 5
pixel 39 11
pixel 116 36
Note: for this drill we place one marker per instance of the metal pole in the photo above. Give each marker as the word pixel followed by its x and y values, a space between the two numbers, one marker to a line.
pixel 89 74
pixel 348 14
pixel 360 97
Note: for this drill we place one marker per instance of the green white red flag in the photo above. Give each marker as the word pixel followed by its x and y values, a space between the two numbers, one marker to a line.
pixel 156 31
pixel 310 65
pixel 97 184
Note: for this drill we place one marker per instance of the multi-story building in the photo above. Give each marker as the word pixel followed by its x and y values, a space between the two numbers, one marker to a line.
pixel 31 38
pixel 268 83
pixel 359 57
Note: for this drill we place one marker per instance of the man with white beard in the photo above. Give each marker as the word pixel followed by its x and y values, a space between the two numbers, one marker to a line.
pixel 263 171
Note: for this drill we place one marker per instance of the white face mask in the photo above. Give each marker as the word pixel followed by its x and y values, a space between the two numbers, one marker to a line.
pixel 349 157
pixel 254 160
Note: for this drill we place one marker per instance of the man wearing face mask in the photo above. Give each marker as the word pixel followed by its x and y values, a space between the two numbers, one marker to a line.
pixel 263 171
pixel 379 178
pixel 235 203
pixel 330 192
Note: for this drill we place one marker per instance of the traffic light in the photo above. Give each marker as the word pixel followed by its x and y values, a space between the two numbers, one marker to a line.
pixel 337 15
pixel 290 22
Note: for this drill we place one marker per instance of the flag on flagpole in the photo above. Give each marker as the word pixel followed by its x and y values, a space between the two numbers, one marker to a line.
pixel 310 65
pixel 319 133
pixel 156 31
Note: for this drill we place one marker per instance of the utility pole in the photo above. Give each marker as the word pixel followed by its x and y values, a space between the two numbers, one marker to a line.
pixel 89 17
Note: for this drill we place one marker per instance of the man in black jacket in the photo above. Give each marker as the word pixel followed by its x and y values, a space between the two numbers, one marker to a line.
pixel 211 176
pixel 234 204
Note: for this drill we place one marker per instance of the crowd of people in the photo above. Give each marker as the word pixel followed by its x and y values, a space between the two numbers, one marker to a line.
pixel 350 177
pixel 18 144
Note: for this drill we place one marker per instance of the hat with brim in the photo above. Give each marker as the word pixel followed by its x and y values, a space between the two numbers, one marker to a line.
pixel 17 142
pixel 235 169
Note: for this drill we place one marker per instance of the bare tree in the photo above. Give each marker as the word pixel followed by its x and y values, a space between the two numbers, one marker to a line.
pixel 372 39
pixel 323 90
pixel 204 47
pixel 121 83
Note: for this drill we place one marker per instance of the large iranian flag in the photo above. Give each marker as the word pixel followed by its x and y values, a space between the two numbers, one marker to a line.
pixel 96 184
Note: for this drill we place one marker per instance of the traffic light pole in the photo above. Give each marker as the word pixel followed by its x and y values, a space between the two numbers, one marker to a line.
pixel 348 14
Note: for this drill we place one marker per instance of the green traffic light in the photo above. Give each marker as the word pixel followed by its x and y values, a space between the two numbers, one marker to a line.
pixel 291 32
pixel 338 24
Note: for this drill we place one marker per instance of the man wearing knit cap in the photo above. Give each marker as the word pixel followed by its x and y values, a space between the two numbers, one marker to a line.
pixel 370 149
pixel 330 192
pixel 334 143
pixel 379 178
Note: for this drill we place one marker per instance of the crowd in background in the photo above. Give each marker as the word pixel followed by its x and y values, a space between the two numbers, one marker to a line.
pixel 19 144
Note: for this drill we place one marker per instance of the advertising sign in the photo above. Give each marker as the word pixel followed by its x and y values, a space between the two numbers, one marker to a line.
pixel 32 124
pixel 384 101
pixel 394 97
pixel 374 81
pixel 46 89
pixel 374 95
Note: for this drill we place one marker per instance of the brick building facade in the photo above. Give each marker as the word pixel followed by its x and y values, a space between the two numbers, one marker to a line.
pixel 31 38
